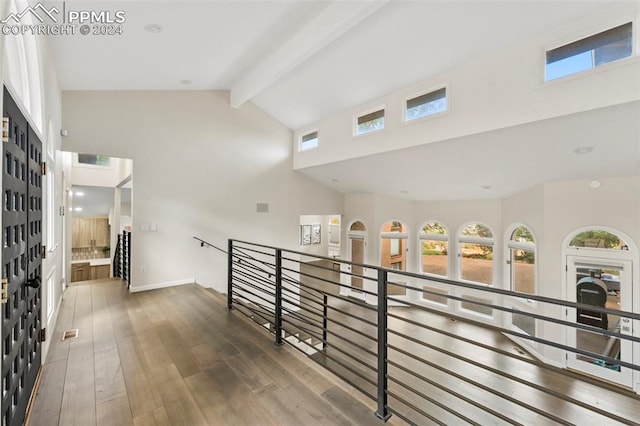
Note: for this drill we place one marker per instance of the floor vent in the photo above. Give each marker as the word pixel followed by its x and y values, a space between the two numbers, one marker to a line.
pixel 70 334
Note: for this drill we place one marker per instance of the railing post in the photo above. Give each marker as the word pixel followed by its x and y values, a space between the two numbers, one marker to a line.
pixel 230 274
pixel 383 409
pixel 324 321
pixel 278 307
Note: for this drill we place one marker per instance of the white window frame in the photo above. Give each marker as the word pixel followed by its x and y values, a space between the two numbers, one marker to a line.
pixel 583 36
pixel 422 93
pixel 370 111
pixel 434 237
pixel 463 239
pixel 301 141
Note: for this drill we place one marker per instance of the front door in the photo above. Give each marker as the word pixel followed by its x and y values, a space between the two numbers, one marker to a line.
pixel 606 283
pixel 21 262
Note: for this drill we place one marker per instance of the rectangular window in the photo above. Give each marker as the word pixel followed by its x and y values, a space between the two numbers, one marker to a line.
pixel 394 247
pixel 434 257
pixel 476 263
pixel 94 160
pixel 370 122
pixel 309 141
pixel 427 104
pixel 523 270
pixel 590 52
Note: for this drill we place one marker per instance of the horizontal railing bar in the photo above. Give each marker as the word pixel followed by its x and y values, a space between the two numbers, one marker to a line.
pixel 349 368
pixel 341 272
pixel 431 400
pixel 545 342
pixel 442 388
pixel 267 290
pixel 421 411
pixel 256 267
pixel 251 275
pixel 475 383
pixel 524 313
pixel 479 287
pixel 522 381
pixel 333 282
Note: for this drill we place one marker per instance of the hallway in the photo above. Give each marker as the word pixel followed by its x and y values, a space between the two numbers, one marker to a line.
pixel 175 356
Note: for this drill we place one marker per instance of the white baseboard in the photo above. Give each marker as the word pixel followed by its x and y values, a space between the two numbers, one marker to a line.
pixel 162 285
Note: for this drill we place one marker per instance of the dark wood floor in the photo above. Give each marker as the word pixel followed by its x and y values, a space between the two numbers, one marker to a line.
pixel 176 356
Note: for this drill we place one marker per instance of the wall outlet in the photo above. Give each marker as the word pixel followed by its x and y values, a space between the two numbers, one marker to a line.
pixel 143 269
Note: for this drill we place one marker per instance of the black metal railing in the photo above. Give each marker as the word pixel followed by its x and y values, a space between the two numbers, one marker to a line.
pixel 122 258
pixel 417 360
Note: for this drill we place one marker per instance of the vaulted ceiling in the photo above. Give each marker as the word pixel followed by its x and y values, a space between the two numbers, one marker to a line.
pixel 302 60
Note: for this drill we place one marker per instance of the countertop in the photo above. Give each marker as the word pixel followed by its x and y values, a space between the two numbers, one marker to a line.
pixel 93 262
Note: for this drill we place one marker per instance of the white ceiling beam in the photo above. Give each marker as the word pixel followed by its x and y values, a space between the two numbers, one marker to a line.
pixel 335 20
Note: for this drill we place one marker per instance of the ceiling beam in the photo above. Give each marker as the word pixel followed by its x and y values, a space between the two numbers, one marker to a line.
pixel 335 20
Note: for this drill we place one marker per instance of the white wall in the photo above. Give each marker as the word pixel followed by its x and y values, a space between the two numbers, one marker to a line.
pixel 200 168
pixel 88 175
pixel 498 91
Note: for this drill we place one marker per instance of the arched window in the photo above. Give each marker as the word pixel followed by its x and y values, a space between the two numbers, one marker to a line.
pixel 476 253
pixel 434 247
pixel 600 239
pixel 522 260
pixel 357 226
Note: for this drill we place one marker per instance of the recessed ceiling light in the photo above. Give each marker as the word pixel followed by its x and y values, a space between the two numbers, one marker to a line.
pixel 594 184
pixel 185 82
pixel 583 150
pixel 486 187
pixel 79 194
pixel 153 28
pixel 78 209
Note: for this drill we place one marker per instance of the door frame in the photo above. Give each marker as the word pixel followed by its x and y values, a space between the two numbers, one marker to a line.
pixel 630 255
pixel 359 235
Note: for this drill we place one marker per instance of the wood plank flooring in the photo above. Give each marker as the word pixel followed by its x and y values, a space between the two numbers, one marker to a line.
pixel 176 357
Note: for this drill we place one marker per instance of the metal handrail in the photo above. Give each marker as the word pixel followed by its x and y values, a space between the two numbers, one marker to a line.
pixel 265 280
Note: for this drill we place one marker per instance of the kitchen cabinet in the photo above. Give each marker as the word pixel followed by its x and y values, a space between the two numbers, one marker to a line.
pixel 80 272
pixel 100 272
pixel 90 232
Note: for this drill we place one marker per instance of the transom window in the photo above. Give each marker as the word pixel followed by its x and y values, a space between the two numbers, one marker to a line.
pixel 309 141
pixel 595 238
pixel 426 104
pixel 434 246
pixel 587 53
pixel 476 254
pixel 522 260
pixel 370 122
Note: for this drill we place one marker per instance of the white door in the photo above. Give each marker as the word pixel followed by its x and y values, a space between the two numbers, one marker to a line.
pixel 357 246
pixel 616 275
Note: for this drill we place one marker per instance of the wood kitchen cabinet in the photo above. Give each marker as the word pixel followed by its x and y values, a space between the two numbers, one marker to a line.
pixel 80 272
pixel 90 232
pixel 99 272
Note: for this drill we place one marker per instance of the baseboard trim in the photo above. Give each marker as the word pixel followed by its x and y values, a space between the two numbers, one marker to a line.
pixel 162 285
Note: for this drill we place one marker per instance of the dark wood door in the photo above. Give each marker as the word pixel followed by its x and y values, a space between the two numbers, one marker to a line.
pixel 22 262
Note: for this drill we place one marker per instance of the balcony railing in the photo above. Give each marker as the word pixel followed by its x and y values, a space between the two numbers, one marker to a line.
pixel 424 363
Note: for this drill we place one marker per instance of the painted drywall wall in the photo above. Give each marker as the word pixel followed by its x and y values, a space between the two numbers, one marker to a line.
pixel 201 167
pixel 498 91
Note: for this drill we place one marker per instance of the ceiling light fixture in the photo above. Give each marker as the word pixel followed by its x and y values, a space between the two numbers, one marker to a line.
pixel 78 209
pixel 486 187
pixel 80 194
pixel 583 150
pixel 595 184
pixel 185 82
pixel 153 28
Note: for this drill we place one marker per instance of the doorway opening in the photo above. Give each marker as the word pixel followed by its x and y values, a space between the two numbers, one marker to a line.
pixel 99 195
pixel 600 273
